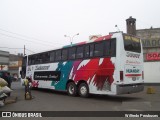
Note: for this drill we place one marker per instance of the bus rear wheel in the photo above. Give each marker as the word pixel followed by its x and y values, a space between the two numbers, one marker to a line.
pixel 83 90
pixel 72 89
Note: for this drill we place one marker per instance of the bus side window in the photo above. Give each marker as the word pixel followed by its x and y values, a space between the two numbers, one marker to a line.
pixel 45 57
pixel 86 51
pixel 113 48
pixel 32 60
pixel 72 53
pixel 37 59
pixel 52 56
pixel 29 60
pixel 98 51
pixel 79 52
pixel 107 48
pixel 91 50
pixel 58 55
pixel 64 54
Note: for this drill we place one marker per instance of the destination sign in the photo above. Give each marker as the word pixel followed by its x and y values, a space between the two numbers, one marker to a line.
pixel 127 37
pixel 47 75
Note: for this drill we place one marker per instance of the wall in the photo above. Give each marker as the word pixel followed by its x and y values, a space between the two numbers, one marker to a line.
pixel 152 72
pixel 15 62
pixel 150 40
pixel 151 44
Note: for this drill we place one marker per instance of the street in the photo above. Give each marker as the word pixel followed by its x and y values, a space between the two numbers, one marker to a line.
pixel 48 100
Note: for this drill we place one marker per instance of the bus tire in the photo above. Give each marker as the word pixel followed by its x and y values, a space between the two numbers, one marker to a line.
pixel 83 90
pixel 71 89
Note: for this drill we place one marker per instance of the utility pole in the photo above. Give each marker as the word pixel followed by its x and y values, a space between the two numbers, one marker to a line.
pixel 24 50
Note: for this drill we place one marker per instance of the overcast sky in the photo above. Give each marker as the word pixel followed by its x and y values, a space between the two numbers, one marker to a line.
pixel 40 25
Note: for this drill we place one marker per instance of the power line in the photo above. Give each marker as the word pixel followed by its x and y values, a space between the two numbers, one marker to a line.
pixel 24 39
pixel 19 48
pixel 30 50
pixel 27 36
pixel 11 48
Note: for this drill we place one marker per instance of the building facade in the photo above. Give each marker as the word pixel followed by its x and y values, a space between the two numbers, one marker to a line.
pixel 4 60
pixel 11 63
pixel 15 63
pixel 151 43
pixel 151 50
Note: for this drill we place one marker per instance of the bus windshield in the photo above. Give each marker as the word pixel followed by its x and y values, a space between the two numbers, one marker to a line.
pixel 132 44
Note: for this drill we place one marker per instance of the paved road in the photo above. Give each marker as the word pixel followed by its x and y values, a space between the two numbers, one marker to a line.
pixel 47 100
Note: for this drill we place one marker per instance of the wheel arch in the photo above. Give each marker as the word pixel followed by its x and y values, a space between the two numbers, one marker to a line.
pixel 70 80
pixel 82 81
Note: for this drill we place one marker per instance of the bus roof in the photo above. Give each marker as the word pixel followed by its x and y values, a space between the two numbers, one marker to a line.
pixel 106 37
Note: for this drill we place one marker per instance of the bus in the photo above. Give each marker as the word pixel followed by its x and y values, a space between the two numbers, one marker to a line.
pixel 109 65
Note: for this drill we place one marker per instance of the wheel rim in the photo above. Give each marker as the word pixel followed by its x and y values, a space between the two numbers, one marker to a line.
pixel 71 89
pixel 83 90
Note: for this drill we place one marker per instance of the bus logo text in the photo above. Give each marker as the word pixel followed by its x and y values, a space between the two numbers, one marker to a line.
pixel 42 67
pixel 132 70
pixel 132 55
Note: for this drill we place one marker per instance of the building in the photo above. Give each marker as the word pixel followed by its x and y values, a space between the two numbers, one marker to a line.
pixel 151 43
pixel 4 60
pixel 11 63
pixel 151 49
pixel 15 63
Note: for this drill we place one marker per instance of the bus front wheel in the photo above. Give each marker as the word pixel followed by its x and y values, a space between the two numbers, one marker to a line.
pixel 83 90
pixel 71 89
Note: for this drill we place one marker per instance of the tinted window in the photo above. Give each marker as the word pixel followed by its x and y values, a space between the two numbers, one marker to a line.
pixel 52 56
pixel 91 50
pixel 45 57
pixel 64 54
pixel 24 61
pixel 31 60
pixel 79 53
pixel 58 55
pixel 98 50
pixel 38 58
pixel 107 48
pixel 113 47
pixel 86 51
pixel 72 53
pixel 132 44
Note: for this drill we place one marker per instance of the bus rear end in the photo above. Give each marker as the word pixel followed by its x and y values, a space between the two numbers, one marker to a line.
pixel 131 65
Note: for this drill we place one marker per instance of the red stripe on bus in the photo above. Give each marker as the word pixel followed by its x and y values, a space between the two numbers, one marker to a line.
pixel 103 38
pixel 133 75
